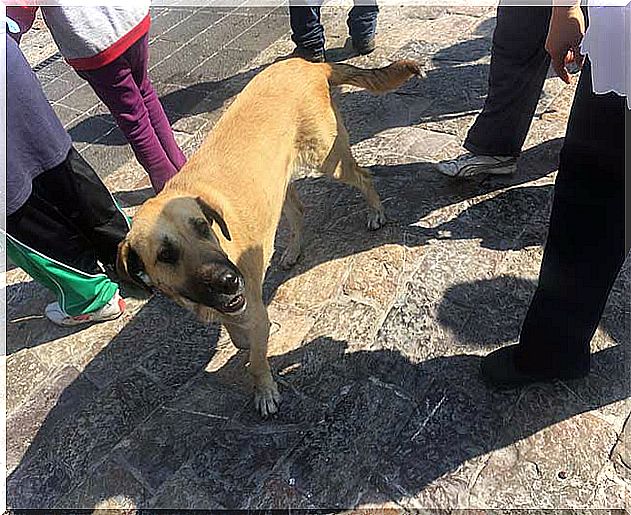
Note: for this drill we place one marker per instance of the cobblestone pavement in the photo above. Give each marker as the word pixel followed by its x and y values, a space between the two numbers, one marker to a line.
pixel 377 337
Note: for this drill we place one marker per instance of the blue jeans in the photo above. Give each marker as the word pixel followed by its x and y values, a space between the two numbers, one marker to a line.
pixel 308 32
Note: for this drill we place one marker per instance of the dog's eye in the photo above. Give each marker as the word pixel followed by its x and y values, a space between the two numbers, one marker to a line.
pixel 168 254
pixel 200 226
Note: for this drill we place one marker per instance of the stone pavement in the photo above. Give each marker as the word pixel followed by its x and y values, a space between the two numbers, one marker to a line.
pixel 377 337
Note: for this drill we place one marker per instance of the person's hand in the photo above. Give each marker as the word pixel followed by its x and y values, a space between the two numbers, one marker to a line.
pixel 567 28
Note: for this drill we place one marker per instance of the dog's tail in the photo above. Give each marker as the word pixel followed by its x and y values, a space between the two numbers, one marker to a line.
pixel 375 80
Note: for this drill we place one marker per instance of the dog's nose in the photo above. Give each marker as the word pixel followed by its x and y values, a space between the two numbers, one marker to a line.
pixel 228 283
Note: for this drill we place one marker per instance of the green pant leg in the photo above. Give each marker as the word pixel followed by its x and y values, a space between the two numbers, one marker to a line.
pixel 78 293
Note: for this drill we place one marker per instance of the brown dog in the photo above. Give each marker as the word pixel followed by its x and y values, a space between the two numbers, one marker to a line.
pixel 239 182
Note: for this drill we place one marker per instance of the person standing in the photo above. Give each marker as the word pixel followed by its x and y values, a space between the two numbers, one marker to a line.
pixel 519 66
pixel 308 32
pixel 62 225
pixel 109 47
pixel 586 246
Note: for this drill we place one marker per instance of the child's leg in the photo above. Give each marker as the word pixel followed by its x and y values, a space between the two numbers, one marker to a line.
pixel 138 56
pixel 115 86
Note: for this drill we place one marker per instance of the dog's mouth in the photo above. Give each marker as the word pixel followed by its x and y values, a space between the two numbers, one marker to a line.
pixel 233 306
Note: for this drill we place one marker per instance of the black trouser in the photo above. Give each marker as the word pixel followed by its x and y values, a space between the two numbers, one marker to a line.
pixel 71 217
pixel 519 65
pixel 586 247
pixel 308 32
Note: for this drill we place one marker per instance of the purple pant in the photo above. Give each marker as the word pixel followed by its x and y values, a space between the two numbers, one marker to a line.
pixel 125 88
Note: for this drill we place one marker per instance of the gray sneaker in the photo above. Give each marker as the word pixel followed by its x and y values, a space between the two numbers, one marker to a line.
pixel 113 309
pixel 469 165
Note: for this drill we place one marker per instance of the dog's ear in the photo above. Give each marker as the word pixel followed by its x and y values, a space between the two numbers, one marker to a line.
pixel 214 215
pixel 130 267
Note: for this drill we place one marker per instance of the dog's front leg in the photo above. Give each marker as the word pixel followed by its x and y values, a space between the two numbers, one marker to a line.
pixel 253 334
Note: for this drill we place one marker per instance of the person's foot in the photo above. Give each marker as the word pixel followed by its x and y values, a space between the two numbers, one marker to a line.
pixel 312 55
pixel 113 309
pixel 469 165
pixel 364 46
pixel 499 369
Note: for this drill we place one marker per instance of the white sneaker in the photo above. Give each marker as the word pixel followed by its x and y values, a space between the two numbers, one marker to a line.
pixel 469 165
pixel 113 309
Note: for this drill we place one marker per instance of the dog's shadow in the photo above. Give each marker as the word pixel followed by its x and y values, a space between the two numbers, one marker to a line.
pixel 355 426
pixel 125 428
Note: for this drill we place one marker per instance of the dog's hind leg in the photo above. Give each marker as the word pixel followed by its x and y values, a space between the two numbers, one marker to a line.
pixel 294 212
pixel 341 165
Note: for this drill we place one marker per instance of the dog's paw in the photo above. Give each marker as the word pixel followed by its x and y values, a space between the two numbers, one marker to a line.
pixel 376 219
pixel 290 257
pixel 266 399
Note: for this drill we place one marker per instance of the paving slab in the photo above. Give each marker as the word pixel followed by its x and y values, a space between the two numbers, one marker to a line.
pixel 376 338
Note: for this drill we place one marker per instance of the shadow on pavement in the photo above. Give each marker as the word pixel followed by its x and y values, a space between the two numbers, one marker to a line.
pixel 353 424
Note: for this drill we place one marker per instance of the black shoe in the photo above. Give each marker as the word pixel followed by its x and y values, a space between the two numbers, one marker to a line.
pixel 311 55
pixel 500 370
pixel 364 46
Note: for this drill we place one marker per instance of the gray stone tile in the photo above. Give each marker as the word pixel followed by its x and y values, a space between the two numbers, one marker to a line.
pixel 57 89
pixel 277 494
pixel 104 159
pixel 203 20
pixel 91 128
pixel 583 443
pixel 222 66
pixel 426 12
pixel 159 447
pixel 25 375
pixel 176 69
pixel 67 115
pixel 448 277
pixel 161 49
pixel 190 125
pixel 109 489
pixel 457 421
pixel 51 68
pixel 465 52
pixel 387 111
pixel 496 310
pixel 55 465
pixel 165 21
pixel 264 33
pixel 82 98
pixel 162 338
pixel 181 100
pixel 52 403
pixel 470 10
pixel 356 430
pixel 175 361
pixel 212 396
pixel 234 463
pixel 185 491
pixel 511 211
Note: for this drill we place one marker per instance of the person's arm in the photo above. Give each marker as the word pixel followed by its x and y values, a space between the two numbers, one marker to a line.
pixel 567 28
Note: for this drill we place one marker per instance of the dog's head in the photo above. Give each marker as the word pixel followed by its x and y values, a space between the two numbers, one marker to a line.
pixel 173 247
